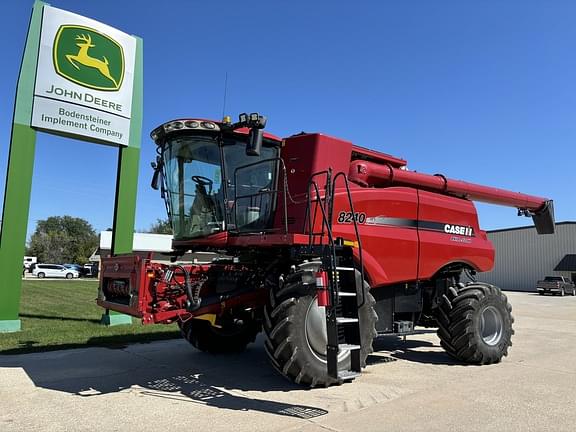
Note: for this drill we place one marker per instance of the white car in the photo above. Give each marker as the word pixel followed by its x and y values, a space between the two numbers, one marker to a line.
pixel 54 270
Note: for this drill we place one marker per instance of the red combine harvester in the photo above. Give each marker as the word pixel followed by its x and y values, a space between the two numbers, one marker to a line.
pixel 322 243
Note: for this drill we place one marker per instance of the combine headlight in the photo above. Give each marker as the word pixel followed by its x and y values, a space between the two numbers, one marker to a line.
pixel 173 125
pixel 254 117
pixel 243 118
pixel 208 125
pixel 191 124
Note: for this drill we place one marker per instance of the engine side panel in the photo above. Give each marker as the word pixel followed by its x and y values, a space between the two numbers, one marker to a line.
pixel 410 235
pixel 449 232
pixel 387 224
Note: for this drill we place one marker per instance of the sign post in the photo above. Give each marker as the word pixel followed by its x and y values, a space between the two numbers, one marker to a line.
pixel 81 79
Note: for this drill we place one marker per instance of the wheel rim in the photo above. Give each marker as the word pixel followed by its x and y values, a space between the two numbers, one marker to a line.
pixel 491 325
pixel 316 335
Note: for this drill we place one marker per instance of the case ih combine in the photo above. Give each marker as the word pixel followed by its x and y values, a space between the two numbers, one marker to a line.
pixel 321 243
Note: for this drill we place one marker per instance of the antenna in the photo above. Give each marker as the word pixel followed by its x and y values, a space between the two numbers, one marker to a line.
pixel 225 92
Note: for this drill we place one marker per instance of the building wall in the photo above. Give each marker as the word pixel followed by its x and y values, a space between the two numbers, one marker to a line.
pixel 523 257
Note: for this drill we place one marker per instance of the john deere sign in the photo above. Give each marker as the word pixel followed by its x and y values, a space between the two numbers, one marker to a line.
pixel 84 78
pixel 98 62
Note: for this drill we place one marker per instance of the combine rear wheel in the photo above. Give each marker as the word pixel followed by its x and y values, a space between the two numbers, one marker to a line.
pixel 295 328
pixel 475 323
pixel 230 338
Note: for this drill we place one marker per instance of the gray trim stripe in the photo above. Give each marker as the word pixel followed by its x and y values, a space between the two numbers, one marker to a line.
pixel 413 223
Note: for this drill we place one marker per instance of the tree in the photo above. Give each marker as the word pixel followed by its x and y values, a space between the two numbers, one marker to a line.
pixel 161 226
pixel 63 239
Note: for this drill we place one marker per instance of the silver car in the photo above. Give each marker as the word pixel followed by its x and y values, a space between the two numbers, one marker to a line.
pixel 54 270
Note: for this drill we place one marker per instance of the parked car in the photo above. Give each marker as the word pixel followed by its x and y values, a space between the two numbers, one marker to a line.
pixel 54 270
pixel 80 269
pixel 29 261
pixel 91 270
pixel 556 285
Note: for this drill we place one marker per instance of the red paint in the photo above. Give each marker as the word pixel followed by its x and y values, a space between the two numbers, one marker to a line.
pixel 322 288
pixel 372 174
pixel 411 226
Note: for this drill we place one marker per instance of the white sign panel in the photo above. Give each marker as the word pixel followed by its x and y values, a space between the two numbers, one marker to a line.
pixel 84 79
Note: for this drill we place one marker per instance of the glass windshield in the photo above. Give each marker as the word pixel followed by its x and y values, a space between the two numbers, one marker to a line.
pixel 194 186
pixel 198 202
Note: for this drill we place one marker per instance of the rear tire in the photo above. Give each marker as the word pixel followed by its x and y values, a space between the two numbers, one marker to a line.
pixel 293 351
pixel 40 275
pixel 475 323
pixel 231 338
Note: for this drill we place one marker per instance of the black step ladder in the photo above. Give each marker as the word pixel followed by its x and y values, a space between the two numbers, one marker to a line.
pixel 345 290
pixel 342 320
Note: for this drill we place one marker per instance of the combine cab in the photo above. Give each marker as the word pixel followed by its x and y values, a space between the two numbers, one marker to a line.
pixel 320 243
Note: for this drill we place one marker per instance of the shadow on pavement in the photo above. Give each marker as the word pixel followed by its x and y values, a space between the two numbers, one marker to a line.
pixel 173 370
pixel 58 318
pixel 168 370
pixel 120 341
pixel 194 389
pixel 411 349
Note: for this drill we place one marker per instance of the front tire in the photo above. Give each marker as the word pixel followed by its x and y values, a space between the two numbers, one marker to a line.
pixel 69 275
pixel 228 339
pixel 475 323
pixel 295 328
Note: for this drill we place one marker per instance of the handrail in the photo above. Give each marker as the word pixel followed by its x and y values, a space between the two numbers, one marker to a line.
pixel 356 231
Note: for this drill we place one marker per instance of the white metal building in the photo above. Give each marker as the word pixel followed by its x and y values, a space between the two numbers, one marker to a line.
pixel 523 257
pixel 160 245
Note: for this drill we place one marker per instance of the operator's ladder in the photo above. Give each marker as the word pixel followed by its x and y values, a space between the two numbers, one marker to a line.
pixel 342 320
pixel 344 284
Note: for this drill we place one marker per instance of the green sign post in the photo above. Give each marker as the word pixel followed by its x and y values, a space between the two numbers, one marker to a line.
pixel 81 79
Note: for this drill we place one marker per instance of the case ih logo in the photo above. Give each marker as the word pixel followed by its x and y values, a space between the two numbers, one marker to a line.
pixel 458 229
pixel 88 57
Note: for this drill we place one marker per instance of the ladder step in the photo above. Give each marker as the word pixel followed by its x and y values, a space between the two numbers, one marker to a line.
pixel 343 320
pixel 348 347
pixel 345 268
pixel 348 375
pixel 346 294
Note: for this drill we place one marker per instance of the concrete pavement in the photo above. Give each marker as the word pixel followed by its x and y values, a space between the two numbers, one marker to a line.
pixel 412 386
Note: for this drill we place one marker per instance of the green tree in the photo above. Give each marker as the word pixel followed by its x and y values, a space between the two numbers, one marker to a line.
pixel 63 239
pixel 161 226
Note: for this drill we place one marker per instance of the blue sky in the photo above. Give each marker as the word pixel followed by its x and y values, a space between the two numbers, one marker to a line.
pixel 480 91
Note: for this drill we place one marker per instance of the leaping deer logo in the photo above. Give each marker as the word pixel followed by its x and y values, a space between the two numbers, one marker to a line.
pixel 83 58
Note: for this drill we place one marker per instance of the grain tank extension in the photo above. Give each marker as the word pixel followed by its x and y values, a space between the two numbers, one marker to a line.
pixel 319 243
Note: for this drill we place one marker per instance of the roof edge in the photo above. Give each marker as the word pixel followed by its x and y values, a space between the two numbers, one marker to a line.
pixel 528 227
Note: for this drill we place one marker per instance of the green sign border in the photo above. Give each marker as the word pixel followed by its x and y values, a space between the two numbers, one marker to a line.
pixel 62 74
pixel 21 166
